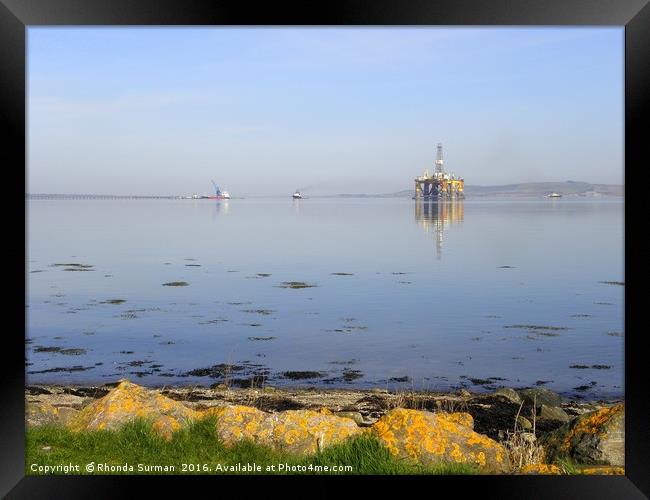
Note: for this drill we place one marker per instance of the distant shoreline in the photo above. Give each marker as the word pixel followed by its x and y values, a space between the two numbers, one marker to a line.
pixel 569 189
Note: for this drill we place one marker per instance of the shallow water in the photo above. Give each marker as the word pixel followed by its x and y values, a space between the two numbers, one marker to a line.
pixel 428 295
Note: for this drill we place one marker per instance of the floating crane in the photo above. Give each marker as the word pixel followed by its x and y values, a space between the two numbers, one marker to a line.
pixel 218 194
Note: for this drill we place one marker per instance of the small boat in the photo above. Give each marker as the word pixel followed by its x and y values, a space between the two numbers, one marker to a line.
pixel 297 195
pixel 554 195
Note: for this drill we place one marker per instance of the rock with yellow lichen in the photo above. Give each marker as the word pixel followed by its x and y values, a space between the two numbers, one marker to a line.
pixel 461 418
pixel 129 401
pixel 305 431
pixel 545 469
pixel 236 422
pixel 595 438
pixel 430 438
pixel 46 414
pixel 606 471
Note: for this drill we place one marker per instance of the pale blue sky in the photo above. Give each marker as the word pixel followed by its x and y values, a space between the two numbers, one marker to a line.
pixel 268 110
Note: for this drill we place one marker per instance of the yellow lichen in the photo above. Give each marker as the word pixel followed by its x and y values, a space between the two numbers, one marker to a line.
pixel 591 423
pixel 608 471
pixel 548 469
pixel 456 454
pixel 464 419
pixel 128 401
pixel 429 437
pixel 304 431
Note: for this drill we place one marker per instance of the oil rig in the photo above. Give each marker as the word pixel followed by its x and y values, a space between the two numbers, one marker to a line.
pixel 440 185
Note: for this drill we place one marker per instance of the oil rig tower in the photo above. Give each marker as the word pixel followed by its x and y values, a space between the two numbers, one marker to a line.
pixel 440 185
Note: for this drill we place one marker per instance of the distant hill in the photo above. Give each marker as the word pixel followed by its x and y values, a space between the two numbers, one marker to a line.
pixel 568 188
pixel 527 189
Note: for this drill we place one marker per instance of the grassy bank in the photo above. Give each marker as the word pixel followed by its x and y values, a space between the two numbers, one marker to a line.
pixel 136 443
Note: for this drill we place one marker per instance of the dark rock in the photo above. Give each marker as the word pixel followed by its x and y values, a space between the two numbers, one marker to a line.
pixel 539 396
pixel 87 392
pixel 253 381
pixel 271 403
pixel 216 371
pixel 594 438
pixel 350 375
pixel 545 412
pixel 492 414
pixel 464 393
pixel 114 301
pixel 299 375
pixel 295 284
pixel 523 423
pixel 509 394
pixel 33 390
pixel 354 415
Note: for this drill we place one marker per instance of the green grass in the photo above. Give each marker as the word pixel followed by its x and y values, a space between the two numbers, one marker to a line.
pixel 198 444
pixel 567 466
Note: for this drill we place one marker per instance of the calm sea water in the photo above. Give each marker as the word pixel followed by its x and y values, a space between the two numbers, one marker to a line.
pixel 480 293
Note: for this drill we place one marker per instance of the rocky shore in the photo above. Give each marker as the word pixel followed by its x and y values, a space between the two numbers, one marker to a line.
pixel 508 431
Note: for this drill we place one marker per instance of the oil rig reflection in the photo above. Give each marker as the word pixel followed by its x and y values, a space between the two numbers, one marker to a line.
pixel 436 216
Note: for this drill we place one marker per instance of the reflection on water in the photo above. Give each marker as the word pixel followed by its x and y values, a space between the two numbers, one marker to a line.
pixel 436 216
pixel 528 291
pixel 222 207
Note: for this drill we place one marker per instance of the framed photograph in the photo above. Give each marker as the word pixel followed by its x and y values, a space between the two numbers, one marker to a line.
pixel 352 239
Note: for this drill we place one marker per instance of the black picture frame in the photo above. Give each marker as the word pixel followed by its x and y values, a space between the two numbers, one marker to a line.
pixel 17 15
